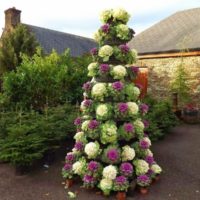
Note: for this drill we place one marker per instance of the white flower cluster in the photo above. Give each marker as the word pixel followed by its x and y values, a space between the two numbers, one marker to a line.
pixel 128 153
pixel 118 72
pixel 132 108
pixel 92 67
pixel 92 149
pixel 110 172
pixel 105 15
pixel 105 52
pixel 134 53
pixel 84 125
pixel 99 91
pixel 136 91
pixel 102 110
pixel 79 136
pixel 106 184
pixel 97 36
pixel 141 166
pixel 156 168
pixel 77 167
pixel 122 31
pixel 139 126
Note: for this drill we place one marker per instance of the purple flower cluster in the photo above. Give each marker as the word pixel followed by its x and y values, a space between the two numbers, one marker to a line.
pixel 144 144
pixel 150 172
pixel 93 166
pixel 149 159
pixel 104 68
pixel 105 28
pixel 94 51
pixel 93 124
pixel 123 107
pixel 120 180
pixel 67 167
pixel 144 108
pixel 69 157
pixel 87 86
pixel 146 123
pixel 135 69
pixel 113 154
pixel 79 146
pixel 124 48
pixel 78 121
pixel 118 85
pixel 128 127
pixel 126 169
pixel 143 179
pixel 87 102
pixel 88 179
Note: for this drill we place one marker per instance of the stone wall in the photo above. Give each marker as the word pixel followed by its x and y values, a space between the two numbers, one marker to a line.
pixel 161 72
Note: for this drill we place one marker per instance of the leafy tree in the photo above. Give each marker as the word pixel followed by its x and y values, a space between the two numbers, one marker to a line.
pixel 20 40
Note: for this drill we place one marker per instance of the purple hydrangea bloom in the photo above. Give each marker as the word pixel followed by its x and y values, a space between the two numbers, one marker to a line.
pixel 93 124
pixel 121 179
pixel 113 154
pixel 123 107
pixel 146 123
pixel 118 85
pixel 93 165
pixel 77 121
pixel 79 146
pixel 124 48
pixel 88 178
pixel 104 68
pixel 126 169
pixel 87 86
pixel 144 144
pixel 105 28
pixel 87 102
pixel 149 159
pixel 135 69
pixel 128 127
pixel 94 51
pixel 67 166
pixel 144 108
pixel 69 157
pixel 143 178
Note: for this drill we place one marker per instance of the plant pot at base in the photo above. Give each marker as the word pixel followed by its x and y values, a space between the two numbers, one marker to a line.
pixel 143 190
pixel 121 195
pixel 69 183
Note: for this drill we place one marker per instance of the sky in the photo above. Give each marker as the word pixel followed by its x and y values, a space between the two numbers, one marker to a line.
pixel 81 17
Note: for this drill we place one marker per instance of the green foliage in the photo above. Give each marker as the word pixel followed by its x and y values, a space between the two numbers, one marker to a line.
pixel 161 118
pixel 26 136
pixel 20 40
pixel 45 80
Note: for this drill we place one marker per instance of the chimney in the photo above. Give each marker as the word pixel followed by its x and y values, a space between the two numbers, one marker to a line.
pixel 12 18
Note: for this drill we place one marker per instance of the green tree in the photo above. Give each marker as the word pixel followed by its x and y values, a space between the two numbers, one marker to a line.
pixel 13 44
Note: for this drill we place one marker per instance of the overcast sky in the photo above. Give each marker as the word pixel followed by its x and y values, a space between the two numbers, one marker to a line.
pixel 81 17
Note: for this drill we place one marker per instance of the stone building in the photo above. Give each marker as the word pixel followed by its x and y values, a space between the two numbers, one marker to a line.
pixel 167 44
pixel 50 39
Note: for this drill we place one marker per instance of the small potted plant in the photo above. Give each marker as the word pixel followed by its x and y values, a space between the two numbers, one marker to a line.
pixel 156 171
pixel 143 181
pixel 121 185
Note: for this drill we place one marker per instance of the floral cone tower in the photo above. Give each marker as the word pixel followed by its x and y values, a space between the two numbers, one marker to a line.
pixel 111 149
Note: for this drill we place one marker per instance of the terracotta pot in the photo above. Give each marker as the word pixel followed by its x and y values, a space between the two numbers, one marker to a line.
pixel 69 183
pixel 121 195
pixel 143 190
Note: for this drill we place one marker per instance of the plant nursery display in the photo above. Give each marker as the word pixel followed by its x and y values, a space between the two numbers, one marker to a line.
pixel 112 150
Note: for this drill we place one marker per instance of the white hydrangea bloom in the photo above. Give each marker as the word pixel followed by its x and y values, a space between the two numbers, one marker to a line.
pixel 105 51
pixel 84 125
pixel 121 14
pixel 156 168
pixel 136 91
pixel 105 15
pixel 106 184
pixel 77 167
pixel 102 110
pixel 133 108
pixel 97 36
pixel 139 125
pixel 99 89
pixel 128 153
pixel 119 72
pixel 79 136
pixel 142 167
pixel 91 149
pixel 122 31
pixel 92 67
pixel 110 172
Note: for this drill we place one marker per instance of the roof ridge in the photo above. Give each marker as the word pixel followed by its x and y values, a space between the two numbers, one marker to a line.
pixel 48 29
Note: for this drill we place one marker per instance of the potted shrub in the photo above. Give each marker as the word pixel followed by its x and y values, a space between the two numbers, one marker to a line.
pixel 143 181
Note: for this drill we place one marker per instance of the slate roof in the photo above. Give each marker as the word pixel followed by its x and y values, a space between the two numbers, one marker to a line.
pixel 51 39
pixel 179 31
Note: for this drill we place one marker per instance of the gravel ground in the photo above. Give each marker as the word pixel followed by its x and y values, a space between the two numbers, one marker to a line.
pixel 178 154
